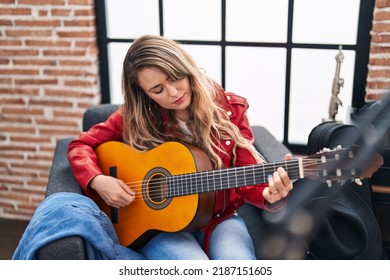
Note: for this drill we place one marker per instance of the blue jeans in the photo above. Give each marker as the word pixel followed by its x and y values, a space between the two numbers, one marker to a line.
pixel 230 240
pixel 69 214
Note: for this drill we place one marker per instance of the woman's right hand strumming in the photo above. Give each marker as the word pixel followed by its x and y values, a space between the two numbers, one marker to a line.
pixel 113 191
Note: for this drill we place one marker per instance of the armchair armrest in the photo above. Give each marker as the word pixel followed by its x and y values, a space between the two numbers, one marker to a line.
pixel 61 179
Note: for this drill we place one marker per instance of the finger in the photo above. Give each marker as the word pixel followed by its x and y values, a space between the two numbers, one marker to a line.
pixel 267 194
pixel 113 203
pixel 282 189
pixel 271 185
pixel 122 201
pixel 284 179
pixel 125 196
pixel 127 189
pixel 271 197
pixel 277 181
pixel 127 199
pixel 288 156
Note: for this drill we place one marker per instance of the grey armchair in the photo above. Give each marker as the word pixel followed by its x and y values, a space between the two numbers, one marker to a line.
pixel 61 179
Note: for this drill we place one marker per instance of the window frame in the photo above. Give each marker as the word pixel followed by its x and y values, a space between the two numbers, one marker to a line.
pixel 362 50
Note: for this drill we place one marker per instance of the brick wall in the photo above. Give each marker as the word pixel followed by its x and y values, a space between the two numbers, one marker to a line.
pixel 49 76
pixel 378 80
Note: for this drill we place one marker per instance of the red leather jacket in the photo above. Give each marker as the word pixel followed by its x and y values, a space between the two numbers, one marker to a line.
pixel 84 165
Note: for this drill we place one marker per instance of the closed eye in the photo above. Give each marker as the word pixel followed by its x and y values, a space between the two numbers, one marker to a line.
pixel 158 90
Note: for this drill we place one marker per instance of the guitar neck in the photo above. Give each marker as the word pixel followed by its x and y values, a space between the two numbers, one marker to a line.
pixel 220 179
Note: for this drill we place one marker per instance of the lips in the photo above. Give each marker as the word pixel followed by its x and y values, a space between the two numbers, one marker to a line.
pixel 179 100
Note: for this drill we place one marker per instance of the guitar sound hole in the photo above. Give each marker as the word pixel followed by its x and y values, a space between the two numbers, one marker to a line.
pixel 155 188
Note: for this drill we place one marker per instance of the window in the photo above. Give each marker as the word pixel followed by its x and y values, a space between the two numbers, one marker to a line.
pixel 279 54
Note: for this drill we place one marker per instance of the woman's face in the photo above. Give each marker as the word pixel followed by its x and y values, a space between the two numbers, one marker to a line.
pixel 169 94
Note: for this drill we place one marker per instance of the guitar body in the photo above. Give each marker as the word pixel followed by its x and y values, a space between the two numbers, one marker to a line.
pixel 146 173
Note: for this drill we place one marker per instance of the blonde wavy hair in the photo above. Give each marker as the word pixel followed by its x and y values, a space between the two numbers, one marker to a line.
pixel 143 127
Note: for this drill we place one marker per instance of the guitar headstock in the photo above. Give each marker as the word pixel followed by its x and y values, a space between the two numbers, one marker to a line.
pixel 341 164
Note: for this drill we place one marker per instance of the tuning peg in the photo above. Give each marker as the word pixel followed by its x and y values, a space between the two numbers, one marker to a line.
pixel 357 181
pixel 329 183
pixel 324 149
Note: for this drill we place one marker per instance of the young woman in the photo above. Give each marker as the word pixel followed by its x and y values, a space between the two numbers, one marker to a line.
pixel 167 97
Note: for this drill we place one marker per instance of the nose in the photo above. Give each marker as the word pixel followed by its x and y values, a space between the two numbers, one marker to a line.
pixel 172 89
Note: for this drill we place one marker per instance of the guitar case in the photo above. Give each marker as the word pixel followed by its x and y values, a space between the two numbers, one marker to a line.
pixel 332 134
pixel 346 224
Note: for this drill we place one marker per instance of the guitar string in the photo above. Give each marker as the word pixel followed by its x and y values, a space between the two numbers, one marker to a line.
pixel 154 186
pixel 210 173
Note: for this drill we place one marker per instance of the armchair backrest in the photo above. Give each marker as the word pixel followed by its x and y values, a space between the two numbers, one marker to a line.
pixel 97 114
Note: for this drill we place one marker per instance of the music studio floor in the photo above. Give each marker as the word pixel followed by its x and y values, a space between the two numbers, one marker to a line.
pixel 10 233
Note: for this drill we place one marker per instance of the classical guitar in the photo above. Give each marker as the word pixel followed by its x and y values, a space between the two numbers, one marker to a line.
pixel 175 184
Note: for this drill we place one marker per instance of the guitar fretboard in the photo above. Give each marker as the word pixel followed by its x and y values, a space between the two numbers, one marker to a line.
pixel 220 179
